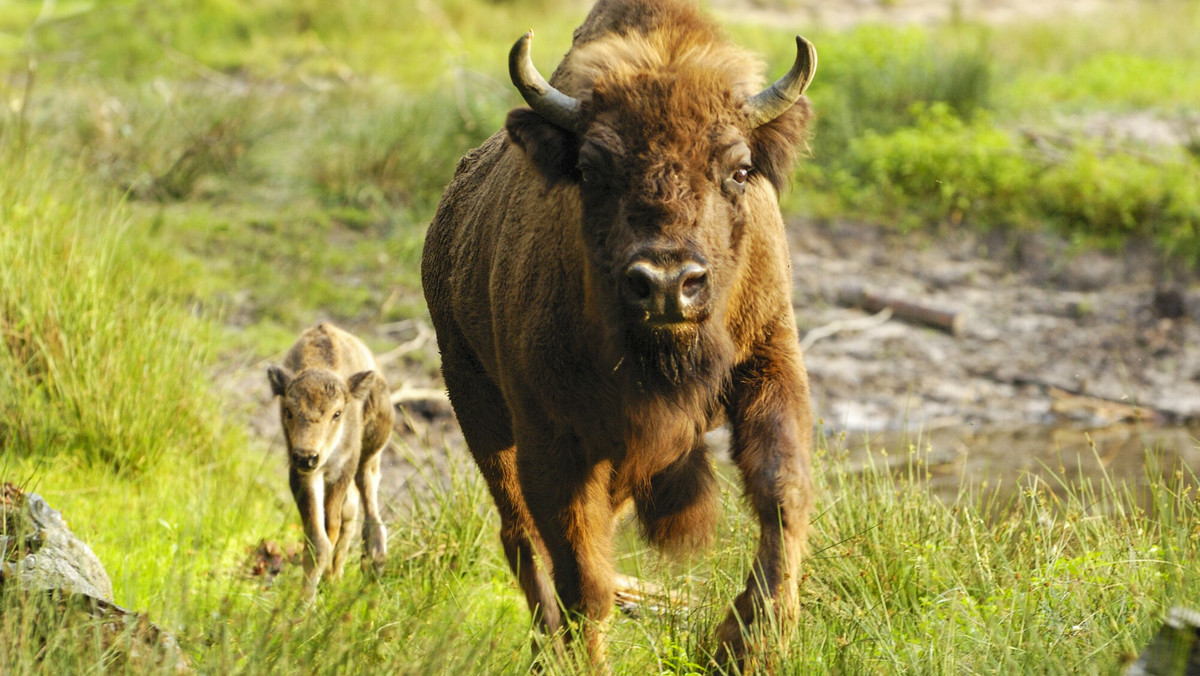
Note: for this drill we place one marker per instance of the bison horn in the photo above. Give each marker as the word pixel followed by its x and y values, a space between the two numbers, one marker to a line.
pixel 771 102
pixel 556 107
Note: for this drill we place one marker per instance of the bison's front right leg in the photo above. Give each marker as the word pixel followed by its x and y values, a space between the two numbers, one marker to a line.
pixel 486 425
pixel 772 436
pixel 569 500
pixel 309 492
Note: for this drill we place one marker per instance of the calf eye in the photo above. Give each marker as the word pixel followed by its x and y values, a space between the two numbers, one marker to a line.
pixel 287 412
pixel 337 414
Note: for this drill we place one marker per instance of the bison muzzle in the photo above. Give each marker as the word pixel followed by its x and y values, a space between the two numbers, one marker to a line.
pixel 609 279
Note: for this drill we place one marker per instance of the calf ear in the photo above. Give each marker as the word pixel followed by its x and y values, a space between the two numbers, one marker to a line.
pixel 361 384
pixel 279 378
pixel 553 150
pixel 775 145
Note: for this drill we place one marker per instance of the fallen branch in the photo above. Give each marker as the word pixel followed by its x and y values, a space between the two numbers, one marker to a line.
pixel 946 320
pixel 407 394
pixel 637 598
pixel 424 333
pixel 859 324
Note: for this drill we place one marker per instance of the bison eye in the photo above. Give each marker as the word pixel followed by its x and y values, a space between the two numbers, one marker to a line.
pixel 741 175
pixel 287 412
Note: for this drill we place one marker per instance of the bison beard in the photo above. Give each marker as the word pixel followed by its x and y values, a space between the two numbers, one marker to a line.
pixel 669 361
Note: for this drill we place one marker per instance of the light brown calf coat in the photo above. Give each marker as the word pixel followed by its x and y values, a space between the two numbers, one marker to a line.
pixel 337 417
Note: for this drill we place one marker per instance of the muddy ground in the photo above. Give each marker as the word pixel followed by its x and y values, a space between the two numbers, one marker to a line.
pixel 1050 349
pixel 1053 351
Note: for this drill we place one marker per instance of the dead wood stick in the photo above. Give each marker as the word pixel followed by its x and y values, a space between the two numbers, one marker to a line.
pixel 946 320
pixel 860 324
pixel 407 394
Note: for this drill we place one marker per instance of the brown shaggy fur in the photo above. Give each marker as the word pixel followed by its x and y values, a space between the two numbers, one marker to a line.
pixel 571 404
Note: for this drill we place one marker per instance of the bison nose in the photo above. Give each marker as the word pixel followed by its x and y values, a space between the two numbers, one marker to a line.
pixel 305 461
pixel 665 293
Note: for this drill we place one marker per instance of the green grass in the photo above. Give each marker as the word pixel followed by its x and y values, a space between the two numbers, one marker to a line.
pixel 1047 578
pixel 186 185
pixel 96 338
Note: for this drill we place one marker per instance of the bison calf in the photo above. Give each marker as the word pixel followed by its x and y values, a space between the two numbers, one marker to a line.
pixel 609 279
pixel 337 416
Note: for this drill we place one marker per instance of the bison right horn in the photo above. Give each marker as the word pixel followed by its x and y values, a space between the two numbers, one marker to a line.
pixel 771 102
pixel 556 107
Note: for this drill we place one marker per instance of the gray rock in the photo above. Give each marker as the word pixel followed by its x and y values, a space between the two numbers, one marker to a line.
pixel 54 558
pixel 60 577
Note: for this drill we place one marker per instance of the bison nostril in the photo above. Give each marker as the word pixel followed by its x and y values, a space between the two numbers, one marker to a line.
pixel 640 281
pixel 692 281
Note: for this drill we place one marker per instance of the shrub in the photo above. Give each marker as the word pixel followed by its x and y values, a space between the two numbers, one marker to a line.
pixel 945 169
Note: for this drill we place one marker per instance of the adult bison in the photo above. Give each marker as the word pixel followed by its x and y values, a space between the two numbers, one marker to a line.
pixel 609 280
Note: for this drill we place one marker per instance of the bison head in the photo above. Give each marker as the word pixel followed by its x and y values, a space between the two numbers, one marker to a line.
pixel 315 407
pixel 673 159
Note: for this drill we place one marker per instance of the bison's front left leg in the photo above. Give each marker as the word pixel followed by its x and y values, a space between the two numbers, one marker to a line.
pixel 772 437
pixel 567 496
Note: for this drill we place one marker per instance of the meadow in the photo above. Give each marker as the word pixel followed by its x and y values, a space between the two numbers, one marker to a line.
pixel 185 185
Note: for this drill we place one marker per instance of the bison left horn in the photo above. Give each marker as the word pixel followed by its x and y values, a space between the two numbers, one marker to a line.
pixel 771 102
pixel 554 106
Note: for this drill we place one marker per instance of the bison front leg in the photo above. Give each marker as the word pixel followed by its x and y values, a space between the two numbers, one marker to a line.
pixel 309 492
pixel 772 437
pixel 569 501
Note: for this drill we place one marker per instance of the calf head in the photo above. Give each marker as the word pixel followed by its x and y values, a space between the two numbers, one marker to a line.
pixel 664 145
pixel 315 408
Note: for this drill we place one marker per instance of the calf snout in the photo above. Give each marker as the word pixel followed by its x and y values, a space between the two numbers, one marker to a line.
pixel 665 291
pixel 303 460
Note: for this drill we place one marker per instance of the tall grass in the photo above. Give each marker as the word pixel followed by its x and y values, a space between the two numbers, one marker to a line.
pixel 1043 577
pixel 100 360
pixel 276 161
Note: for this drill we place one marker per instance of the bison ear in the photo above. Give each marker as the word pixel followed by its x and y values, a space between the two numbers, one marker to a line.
pixel 775 145
pixel 553 150
pixel 361 383
pixel 279 377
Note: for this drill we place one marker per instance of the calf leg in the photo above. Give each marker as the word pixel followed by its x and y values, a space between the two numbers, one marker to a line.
pixel 351 514
pixel 772 437
pixel 378 417
pixel 374 534
pixel 309 492
pixel 335 500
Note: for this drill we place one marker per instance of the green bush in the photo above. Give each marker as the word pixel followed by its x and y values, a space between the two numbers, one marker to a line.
pixel 1108 197
pixel 871 78
pixel 944 169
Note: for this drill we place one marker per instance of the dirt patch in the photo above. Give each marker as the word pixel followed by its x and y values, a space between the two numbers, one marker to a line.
pixel 1054 348
pixel 1048 339
pixel 1047 336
